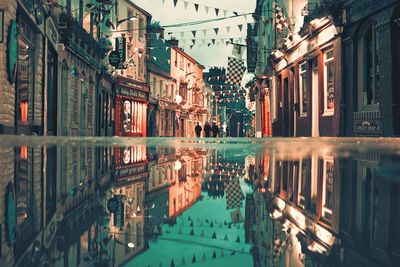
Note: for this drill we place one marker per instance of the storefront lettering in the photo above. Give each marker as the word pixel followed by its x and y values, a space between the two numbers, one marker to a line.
pixel 367 126
pixel 132 93
pixel 120 48
pixel 130 171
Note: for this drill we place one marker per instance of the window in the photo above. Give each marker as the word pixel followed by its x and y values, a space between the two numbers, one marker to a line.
pixel 165 93
pixel 132 117
pixel 90 103
pixel 303 89
pixel 161 88
pixel 370 82
pixel 130 22
pixel 141 64
pixel 272 95
pixel 327 189
pixel 76 10
pixel 154 86
pixel 134 154
pixel 141 28
pixel 25 74
pixel 302 184
pixel 176 59
pixel 329 83
pixel 74 99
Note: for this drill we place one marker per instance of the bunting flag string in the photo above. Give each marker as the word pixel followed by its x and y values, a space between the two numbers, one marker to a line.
pixel 206 8
pixel 216 29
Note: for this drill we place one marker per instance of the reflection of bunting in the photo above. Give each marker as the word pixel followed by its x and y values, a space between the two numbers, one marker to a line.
pixel 175 2
pixel 194 34
pixel 216 30
pixel 234 195
pixel 196 6
pixel 216 11
pixel 236 70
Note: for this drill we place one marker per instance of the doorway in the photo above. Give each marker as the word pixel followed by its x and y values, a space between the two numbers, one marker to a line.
pixel 315 100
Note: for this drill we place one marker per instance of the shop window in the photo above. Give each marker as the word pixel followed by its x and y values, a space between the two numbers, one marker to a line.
pixel 272 95
pixel 25 78
pixel 303 89
pixel 133 114
pixel 89 159
pixel 329 83
pixel 327 189
pixel 23 187
pixel 134 154
pixel 176 59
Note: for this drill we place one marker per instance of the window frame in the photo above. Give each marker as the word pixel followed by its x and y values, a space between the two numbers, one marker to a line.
pixel 303 75
pixel 327 111
pixel 324 209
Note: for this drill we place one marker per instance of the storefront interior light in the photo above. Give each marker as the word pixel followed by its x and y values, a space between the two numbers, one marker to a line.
pixel 131 245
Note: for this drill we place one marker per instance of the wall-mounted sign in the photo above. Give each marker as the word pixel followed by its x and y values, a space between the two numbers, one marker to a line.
pixel 112 204
pixel 114 59
pixel 12 50
pixel 120 47
pixel 11 214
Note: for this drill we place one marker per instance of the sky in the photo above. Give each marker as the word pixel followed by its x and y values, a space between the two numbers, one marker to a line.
pixel 214 55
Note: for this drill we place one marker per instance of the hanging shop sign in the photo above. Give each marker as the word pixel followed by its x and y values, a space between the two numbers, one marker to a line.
pixel 114 59
pixel 113 204
pixel 12 51
pixel 120 48
pixel 11 215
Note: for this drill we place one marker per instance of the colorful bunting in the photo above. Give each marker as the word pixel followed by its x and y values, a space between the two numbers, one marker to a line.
pixel 175 2
pixel 196 6
pixel 216 11
pixel 194 34
pixel 216 30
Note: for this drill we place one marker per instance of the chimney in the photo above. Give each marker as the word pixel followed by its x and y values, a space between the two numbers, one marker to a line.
pixel 174 42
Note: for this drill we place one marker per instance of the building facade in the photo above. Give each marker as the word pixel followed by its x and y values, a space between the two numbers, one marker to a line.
pixel 132 89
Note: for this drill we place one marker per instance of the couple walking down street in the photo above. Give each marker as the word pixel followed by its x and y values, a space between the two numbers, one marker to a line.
pixel 208 129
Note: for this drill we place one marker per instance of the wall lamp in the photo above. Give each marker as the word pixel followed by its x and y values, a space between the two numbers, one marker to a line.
pixel 132 18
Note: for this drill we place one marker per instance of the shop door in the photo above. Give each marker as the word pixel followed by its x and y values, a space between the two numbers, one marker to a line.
pixel 285 110
pixel 315 100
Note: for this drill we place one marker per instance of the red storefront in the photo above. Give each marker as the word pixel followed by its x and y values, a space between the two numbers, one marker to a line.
pixel 130 107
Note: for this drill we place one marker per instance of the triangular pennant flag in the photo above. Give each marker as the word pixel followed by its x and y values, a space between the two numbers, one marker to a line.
pixel 166 49
pixel 191 46
pixel 190 219
pixel 140 55
pixel 185 4
pixel 183 262
pixel 231 40
pixel 238 239
pixel 204 256
pixel 207 221
pixel 154 58
pixel 163 1
pixel 175 2
pixel 225 13
pixel 216 11
pixel 194 34
pixel 228 28
pixel 169 62
pixel 211 224
pixel 191 224
pixel 213 41
pixel 202 233
pixel 160 264
pixel 226 237
pixel 240 26
pixel 172 263
pixel 194 259
pixel 206 8
pixel 194 41
pixel 245 17
pixel 214 255
pixel 216 30
pixel 214 236
pixel 191 232
pixel 236 14
pixel 196 6
pixel 209 44
pixel 158 35
pixel 233 253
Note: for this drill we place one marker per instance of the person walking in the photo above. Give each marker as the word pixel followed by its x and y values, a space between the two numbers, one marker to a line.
pixel 207 129
pixel 215 130
pixel 198 130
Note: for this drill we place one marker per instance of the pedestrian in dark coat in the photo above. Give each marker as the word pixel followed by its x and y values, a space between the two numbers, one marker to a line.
pixel 215 130
pixel 207 129
pixel 198 130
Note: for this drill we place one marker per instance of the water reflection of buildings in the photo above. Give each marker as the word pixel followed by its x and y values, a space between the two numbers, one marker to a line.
pixel 98 213
pixel 323 210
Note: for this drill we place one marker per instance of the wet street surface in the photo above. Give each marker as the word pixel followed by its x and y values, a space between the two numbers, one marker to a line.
pixel 185 202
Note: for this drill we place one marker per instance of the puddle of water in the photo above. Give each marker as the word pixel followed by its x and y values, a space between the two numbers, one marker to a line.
pixel 209 202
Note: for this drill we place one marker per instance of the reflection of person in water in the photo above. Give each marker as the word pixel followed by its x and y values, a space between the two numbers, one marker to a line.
pixel 127 155
pixel 127 116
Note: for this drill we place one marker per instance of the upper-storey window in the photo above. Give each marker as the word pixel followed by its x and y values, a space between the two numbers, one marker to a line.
pixel 329 83
pixel 303 90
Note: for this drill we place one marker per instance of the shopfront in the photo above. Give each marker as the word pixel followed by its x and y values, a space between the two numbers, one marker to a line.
pixel 131 108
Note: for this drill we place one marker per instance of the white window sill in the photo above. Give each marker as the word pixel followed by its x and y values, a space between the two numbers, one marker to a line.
pixel 328 114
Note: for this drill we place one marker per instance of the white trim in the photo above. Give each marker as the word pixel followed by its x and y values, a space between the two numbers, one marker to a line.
pixel 328 112
pixel 301 74
pixel 326 210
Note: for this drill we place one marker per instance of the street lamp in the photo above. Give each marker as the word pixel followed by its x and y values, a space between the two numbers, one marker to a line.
pixel 131 18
